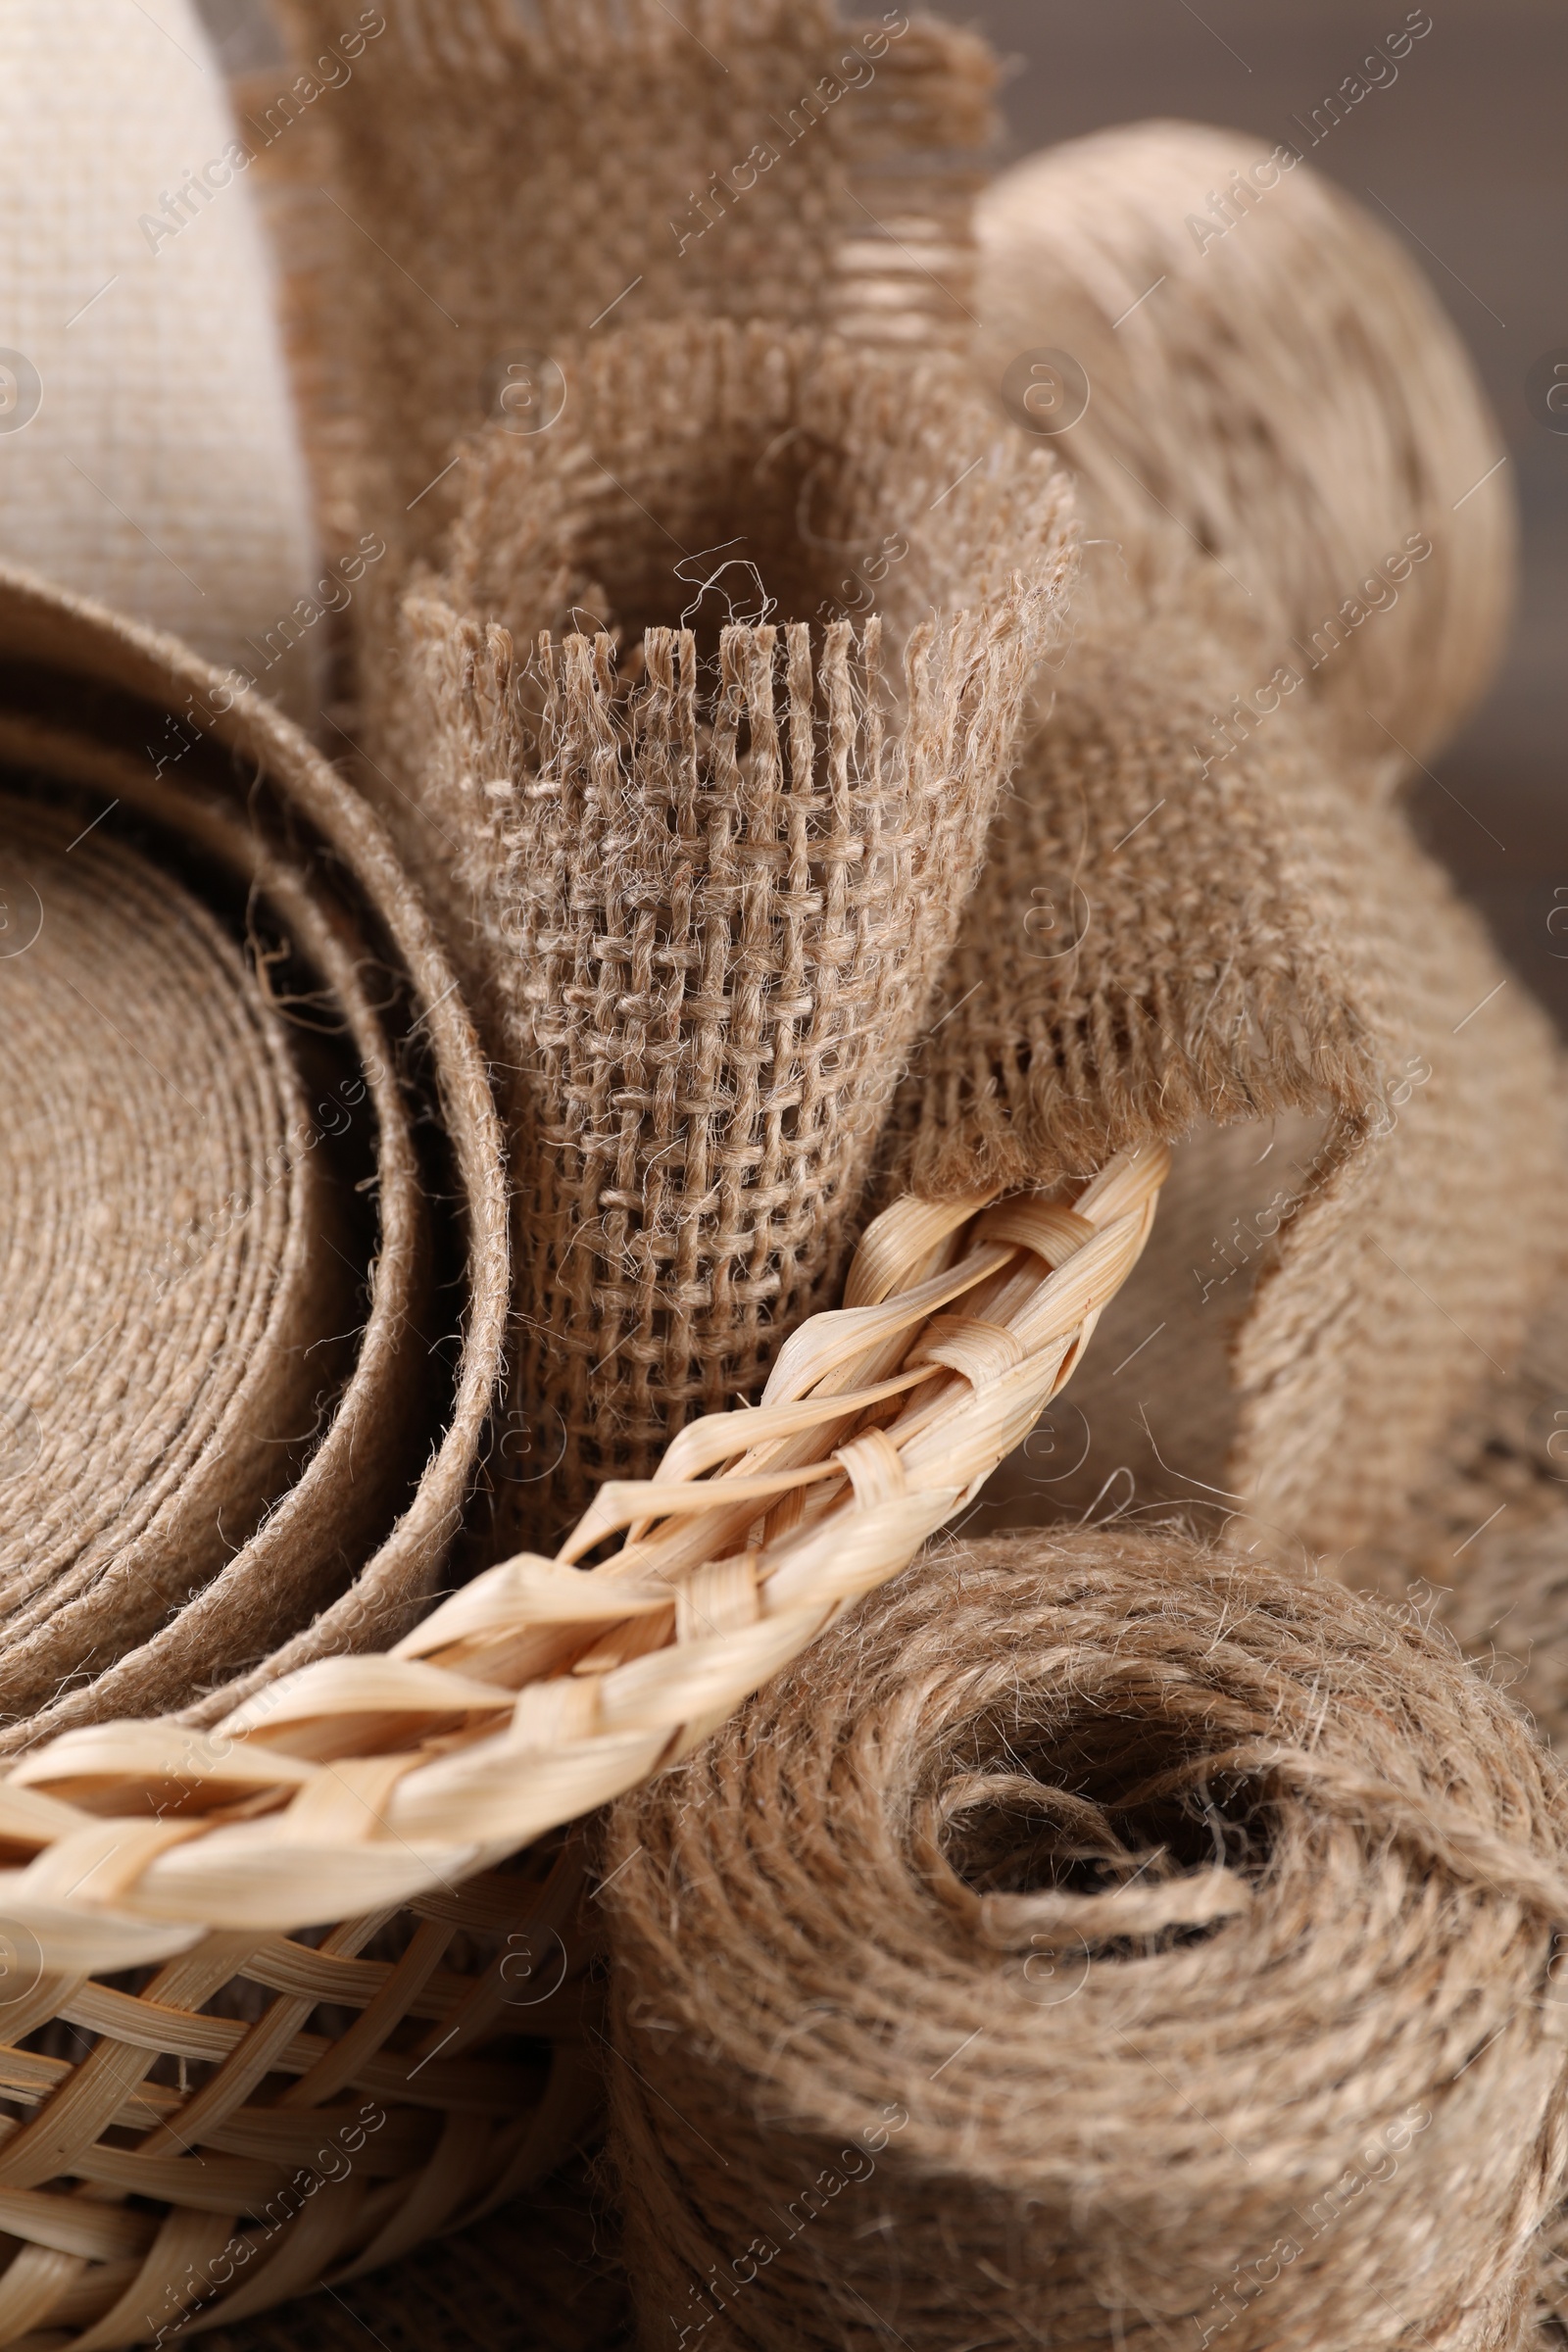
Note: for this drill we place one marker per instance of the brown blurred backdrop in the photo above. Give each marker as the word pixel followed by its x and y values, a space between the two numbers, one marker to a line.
pixel 1467 151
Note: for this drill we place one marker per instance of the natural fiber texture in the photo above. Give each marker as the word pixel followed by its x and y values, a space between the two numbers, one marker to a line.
pixel 1103 1942
pixel 148 454
pixel 164 1350
pixel 1270 381
pixel 1200 903
pixel 506 181
pixel 351 991
pixel 1486 1546
pixel 317 2107
pixel 530 1696
pixel 705 887
pixel 1313 962
pixel 536 1693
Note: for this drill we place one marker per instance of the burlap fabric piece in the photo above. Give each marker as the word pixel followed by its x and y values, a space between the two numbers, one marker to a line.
pixel 1102 1941
pixel 498 183
pixel 1204 904
pixel 205 1588
pixel 706 888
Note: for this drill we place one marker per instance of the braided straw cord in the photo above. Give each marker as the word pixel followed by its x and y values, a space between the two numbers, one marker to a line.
pixel 537 1693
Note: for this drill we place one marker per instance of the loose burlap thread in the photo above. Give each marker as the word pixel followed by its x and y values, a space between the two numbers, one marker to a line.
pixel 1103 1942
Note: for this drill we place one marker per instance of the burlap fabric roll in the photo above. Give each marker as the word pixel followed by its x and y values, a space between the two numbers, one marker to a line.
pixel 1102 1942
pixel 226 1019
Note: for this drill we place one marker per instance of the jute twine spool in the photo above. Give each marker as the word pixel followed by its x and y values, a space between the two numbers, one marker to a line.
pixel 1240 361
pixel 268 1500
pixel 1103 1942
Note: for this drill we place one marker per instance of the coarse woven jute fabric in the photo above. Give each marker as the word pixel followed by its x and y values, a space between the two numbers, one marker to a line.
pixel 206 1539
pixel 1255 940
pixel 532 177
pixel 149 455
pixel 1484 1548
pixel 1100 1942
pixel 1299 570
pixel 1201 903
pixel 703 866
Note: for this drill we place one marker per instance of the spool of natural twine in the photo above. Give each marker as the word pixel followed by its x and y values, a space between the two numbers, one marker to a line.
pixel 1099 1942
pixel 1241 362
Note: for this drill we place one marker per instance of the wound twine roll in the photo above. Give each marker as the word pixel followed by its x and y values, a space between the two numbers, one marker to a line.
pixel 1269 380
pixel 1103 1942
pixel 293 1490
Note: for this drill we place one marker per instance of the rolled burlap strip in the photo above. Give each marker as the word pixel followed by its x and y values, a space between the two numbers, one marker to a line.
pixel 704 885
pixel 1102 1942
pixel 268 1501
pixel 178 1292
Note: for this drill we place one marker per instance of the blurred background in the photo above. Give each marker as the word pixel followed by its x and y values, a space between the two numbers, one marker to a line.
pixel 1464 157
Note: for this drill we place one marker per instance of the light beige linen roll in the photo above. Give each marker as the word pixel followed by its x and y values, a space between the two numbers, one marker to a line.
pixel 148 455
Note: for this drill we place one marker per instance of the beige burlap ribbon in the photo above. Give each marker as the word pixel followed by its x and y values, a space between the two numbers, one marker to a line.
pixel 216 1369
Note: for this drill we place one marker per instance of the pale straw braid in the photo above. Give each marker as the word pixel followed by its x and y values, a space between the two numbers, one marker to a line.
pixel 539 1691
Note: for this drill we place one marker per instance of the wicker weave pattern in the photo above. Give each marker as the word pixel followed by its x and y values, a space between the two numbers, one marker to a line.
pixel 277 2152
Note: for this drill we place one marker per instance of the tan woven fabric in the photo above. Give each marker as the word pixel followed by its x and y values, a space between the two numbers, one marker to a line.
pixel 707 891
pixel 1201 903
pixel 1264 938
pixel 506 183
